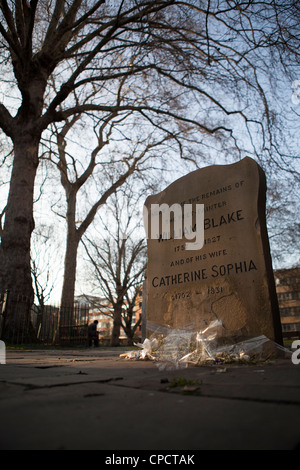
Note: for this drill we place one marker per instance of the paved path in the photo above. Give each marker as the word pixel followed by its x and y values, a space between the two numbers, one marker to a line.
pixel 94 400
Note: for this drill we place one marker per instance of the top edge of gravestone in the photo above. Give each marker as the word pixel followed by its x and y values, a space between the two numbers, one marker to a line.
pixel 246 161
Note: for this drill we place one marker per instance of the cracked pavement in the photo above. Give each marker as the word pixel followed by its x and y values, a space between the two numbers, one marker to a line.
pixel 92 399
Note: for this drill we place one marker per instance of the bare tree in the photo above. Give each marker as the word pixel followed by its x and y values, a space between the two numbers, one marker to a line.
pixel 212 62
pixel 115 171
pixel 5 171
pixel 283 223
pixel 38 38
pixel 118 263
pixel 43 264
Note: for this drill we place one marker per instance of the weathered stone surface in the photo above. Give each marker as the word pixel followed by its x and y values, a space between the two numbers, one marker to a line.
pixel 231 277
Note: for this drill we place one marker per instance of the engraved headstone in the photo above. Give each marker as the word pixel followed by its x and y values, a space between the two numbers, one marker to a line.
pixel 231 277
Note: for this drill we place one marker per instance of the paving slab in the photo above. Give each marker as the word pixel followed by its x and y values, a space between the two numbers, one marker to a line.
pixel 92 399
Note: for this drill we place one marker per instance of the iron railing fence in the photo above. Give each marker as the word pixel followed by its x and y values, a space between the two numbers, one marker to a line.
pixel 24 323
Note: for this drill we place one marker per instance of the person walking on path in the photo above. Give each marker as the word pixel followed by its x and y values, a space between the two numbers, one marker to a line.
pixel 93 334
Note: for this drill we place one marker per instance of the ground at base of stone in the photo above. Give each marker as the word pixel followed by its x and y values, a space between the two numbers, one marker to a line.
pixel 81 400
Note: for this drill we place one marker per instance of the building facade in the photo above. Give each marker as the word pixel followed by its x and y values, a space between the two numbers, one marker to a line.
pixel 288 293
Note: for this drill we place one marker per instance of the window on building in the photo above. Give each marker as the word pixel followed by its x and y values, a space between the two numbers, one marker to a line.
pixel 288 295
pixel 291 327
pixel 289 311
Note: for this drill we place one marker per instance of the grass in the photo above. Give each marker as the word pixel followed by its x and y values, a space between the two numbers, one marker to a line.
pixel 182 382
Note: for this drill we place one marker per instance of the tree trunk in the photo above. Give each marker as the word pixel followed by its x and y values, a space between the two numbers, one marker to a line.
pixel 128 329
pixel 68 290
pixel 115 337
pixel 129 334
pixel 15 269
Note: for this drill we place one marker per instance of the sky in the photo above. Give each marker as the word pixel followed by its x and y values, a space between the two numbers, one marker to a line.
pixel 46 214
pixel 53 254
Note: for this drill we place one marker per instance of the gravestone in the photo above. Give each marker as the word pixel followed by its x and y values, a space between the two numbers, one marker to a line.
pixel 231 277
